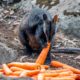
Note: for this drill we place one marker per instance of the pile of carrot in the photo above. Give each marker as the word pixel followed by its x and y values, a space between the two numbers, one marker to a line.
pixel 39 71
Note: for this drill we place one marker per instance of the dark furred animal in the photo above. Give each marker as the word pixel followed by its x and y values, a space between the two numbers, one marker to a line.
pixel 36 30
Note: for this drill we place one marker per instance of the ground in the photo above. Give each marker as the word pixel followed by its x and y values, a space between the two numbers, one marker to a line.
pixel 9 25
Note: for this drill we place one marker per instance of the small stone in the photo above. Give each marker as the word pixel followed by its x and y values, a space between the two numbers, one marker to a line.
pixel 6 12
pixel 52 3
pixel 11 12
pixel 16 23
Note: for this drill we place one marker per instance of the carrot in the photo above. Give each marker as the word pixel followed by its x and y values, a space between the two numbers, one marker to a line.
pixel 45 66
pixel 16 64
pixel 42 69
pixel 42 57
pixel 77 71
pixel 23 73
pixel 1 70
pixel 78 77
pixel 59 64
pixel 16 69
pixel 29 73
pixel 50 74
pixel 34 72
pixel 58 70
pixel 6 69
pixel 67 73
pixel 16 73
pixel 27 65
pixel 61 70
pixel 40 77
pixel 56 64
pixel 60 73
pixel 59 78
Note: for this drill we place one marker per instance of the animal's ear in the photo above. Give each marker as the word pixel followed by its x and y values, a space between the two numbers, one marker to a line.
pixel 55 19
pixel 44 16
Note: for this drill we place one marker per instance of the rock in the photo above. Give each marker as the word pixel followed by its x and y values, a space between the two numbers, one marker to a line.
pixel 7 54
pixel 71 26
pixel 69 17
pixel 78 57
pixel 6 12
pixel 11 12
pixel 52 3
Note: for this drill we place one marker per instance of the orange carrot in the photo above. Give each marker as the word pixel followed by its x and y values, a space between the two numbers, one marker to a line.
pixel 42 57
pixel 24 73
pixel 56 64
pixel 50 74
pixel 16 69
pixel 27 65
pixel 13 76
pixel 59 71
pixel 16 73
pixel 1 70
pixel 59 64
pixel 6 69
pixel 78 77
pixel 16 64
pixel 70 77
pixel 67 73
pixel 29 73
pixel 40 77
pixel 45 66
pixel 59 78
pixel 42 69
pixel 77 71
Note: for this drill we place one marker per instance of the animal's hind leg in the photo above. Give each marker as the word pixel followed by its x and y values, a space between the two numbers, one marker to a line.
pixel 24 40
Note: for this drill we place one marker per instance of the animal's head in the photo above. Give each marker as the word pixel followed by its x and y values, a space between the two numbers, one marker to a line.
pixel 41 21
pixel 49 26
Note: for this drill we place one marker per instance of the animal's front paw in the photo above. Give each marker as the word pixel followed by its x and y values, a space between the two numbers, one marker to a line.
pixel 48 61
